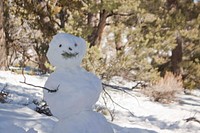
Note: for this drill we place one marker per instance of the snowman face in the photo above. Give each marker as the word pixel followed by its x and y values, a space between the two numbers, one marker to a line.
pixel 66 50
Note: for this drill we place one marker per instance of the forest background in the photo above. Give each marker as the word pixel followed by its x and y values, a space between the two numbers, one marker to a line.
pixel 139 40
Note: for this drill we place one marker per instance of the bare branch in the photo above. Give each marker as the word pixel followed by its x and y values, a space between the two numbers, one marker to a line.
pixel 120 14
pixel 123 89
pixel 116 102
pixel 45 88
pixel 192 119
pixel 4 88
pixel 116 87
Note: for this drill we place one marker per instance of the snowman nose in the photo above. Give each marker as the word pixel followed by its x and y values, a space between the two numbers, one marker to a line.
pixel 70 48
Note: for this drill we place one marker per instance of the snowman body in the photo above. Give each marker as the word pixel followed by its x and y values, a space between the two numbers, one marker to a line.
pixel 78 90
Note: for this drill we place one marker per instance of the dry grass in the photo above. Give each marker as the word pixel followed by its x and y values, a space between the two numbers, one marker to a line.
pixel 165 89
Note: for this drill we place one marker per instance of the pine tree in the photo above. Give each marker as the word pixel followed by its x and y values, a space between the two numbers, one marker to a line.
pixel 168 33
pixel 3 48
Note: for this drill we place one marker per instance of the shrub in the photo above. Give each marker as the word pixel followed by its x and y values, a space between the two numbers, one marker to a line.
pixel 165 89
pixel 3 97
pixel 123 64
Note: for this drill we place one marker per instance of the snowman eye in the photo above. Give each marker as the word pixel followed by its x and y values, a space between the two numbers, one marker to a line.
pixel 60 45
pixel 75 45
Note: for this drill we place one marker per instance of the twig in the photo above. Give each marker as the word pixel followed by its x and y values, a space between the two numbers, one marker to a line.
pixel 116 102
pixel 45 88
pixel 2 91
pixel 139 83
pixel 116 87
pixel 110 112
pixel 120 88
pixel 192 119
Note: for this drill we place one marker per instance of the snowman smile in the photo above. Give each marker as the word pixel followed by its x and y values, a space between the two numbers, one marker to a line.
pixel 68 54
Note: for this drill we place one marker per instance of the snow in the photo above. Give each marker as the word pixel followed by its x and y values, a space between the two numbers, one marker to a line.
pixel 21 119
pixel 18 115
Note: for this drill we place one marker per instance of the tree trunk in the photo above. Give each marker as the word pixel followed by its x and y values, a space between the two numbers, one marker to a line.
pixel 118 41
pixel 3 49
pixel 95 38
pixel 41 63
pixel 41 57
pixel 176 57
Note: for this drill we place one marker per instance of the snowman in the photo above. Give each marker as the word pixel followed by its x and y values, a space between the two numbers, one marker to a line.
pixel 76 89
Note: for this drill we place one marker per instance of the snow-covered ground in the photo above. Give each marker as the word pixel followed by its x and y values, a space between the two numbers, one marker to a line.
pixel 137 114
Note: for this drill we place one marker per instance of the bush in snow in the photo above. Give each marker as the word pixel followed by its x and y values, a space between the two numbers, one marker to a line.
pixel 165 89
pixel 2 97
pixel 42 107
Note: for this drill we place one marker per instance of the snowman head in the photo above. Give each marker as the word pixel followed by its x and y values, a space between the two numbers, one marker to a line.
pixel 66 50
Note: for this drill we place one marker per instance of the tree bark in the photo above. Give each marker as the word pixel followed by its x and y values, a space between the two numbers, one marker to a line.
pixel 3 48
pixel 41 57
pixel 95 38
pixel 118 40
pixel 176 57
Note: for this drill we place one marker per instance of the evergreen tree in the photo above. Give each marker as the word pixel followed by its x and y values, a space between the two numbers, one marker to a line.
pixel 168 33
pixel 147 38
pixel 3 47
